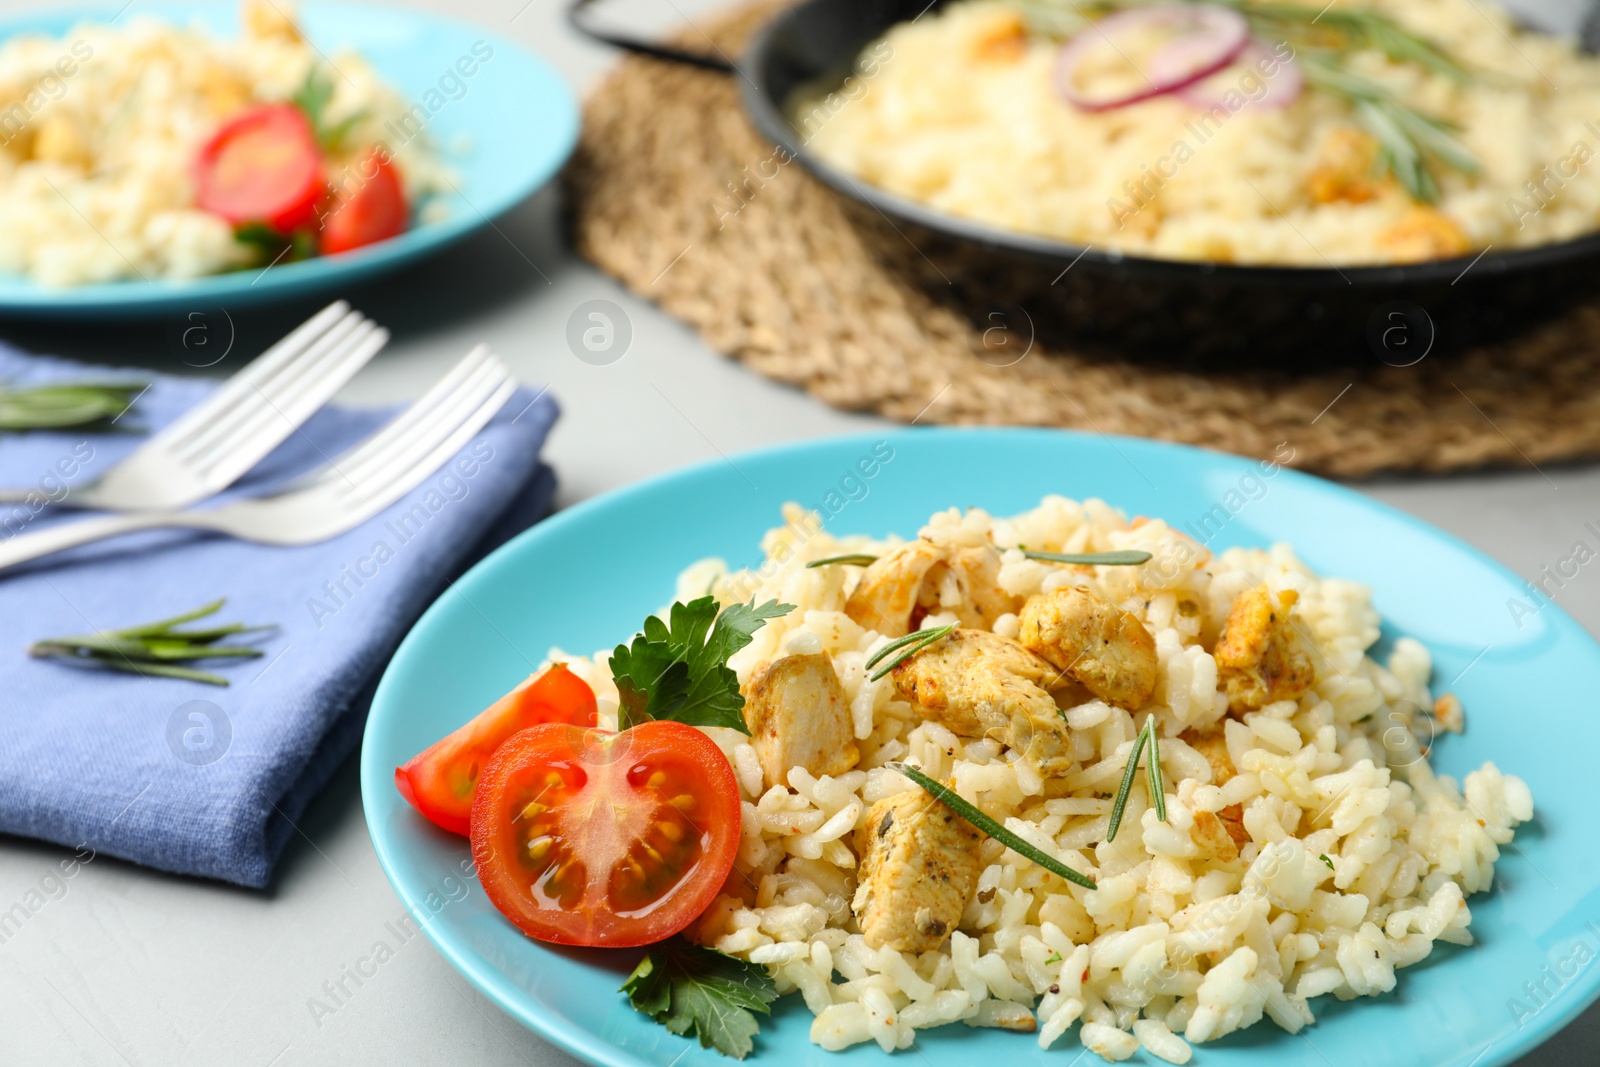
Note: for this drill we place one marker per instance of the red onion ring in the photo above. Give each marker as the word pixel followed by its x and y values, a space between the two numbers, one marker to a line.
pixel 1218 35
pixel 1283 88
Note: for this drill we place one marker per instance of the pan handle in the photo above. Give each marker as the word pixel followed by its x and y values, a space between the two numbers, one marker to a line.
pixel 577 16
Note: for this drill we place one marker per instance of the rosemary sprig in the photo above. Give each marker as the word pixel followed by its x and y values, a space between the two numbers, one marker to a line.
pixel 1158 797
pixel 1158 794
pixel 1408 140
pixel 1358 27
pixel 1121 803
pixel 1124 558
pixel 970 812
pixel 1412 144
pixel 155 648
pixel 906 647
pixel 64 406
pixel 855 560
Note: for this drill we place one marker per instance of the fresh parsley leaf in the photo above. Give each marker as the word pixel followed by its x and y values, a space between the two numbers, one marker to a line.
pixel 687 988
pixel 1324 858
pixel 333 136
pixel 679 669
pixel 273 247
pixel 313 95
pixel 312 98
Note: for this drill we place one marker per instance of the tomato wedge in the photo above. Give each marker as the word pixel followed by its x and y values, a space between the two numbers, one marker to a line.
pixel 374 211
pixel 262 166
pixel 440 781
pixel 586 837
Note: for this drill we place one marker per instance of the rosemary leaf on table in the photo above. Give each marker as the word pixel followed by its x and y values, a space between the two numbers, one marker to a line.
pixel 66 405
pixel 154 648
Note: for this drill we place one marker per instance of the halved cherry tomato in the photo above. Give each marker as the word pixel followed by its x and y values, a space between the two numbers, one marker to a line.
pixel 263 166
pixel 586 837
pixel 440 781
pixel 373 210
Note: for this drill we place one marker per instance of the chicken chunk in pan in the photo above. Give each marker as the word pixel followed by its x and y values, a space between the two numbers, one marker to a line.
pixel 1262 656
pixel 1093 642
pixel 912 581
pixel 919 863
pixel 979 684
pixel 798 717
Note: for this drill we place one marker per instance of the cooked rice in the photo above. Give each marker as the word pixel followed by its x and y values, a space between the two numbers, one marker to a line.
pixel 1171 948
pixel 941 114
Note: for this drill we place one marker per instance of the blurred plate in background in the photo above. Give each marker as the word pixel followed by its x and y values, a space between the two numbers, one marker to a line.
pixel 503 138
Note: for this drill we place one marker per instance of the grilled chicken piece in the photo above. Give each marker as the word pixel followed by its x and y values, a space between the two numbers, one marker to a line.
pixel 1214 748
pixel 980 684
pixel 264 20
pixel 1000 38
pixel 1096 643
pixel 798 717
pixel 977 574
pixel 903 587
pixel 919 862
pixel 1424 233
pixel 1222 834
pixel 1344 168
pixel 1261 655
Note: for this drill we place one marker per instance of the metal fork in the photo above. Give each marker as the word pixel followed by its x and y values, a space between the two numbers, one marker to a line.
pixel 210 446
pixel 331 499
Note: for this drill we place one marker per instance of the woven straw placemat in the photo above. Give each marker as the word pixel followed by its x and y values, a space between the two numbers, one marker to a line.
pixel 785 285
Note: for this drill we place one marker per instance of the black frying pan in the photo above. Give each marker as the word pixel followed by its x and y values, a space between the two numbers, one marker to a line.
pixel 1217 314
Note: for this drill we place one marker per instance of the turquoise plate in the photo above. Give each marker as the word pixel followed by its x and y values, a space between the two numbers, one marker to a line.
pixel 504 136
pixel 585 579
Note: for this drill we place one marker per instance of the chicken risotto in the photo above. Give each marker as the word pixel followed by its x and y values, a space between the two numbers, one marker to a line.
pixel 1054 772
pixel 144 150
pixel 1239 131
pixel 1302 845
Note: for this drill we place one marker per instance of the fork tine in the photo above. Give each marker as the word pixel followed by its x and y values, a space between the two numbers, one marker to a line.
pixel 379 443
pixel 422 422
pixel 400 479
pixel 254 397
pixel 426 435
pixel 230 459
pixel 268 362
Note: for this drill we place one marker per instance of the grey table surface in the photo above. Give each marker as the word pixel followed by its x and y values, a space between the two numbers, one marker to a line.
pixel 137 967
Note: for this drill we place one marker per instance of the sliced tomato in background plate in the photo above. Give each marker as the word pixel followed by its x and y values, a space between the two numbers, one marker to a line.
pixel 262 166
pixel 373 208
pixel 440 781
pixel 587 837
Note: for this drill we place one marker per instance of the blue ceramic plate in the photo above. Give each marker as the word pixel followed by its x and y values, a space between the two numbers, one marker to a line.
pixel 587 577
pixel 504 131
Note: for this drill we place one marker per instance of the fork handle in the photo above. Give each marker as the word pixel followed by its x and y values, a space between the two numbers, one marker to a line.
pixel 58 538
